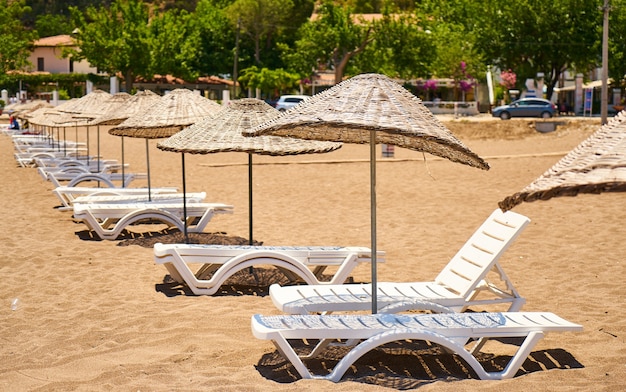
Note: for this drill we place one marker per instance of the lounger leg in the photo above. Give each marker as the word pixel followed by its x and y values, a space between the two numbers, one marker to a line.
pixel 520 356
pixel 286 350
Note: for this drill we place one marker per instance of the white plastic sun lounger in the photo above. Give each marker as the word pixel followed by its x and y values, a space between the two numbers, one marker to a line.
pixel 170 197
pixel 450 330
pixel 464 282
pixel 68 194
pixel 69 171
pixel 108 179
pixel 28 159
pixel 109 220
pixel 91 161
pixel 204 268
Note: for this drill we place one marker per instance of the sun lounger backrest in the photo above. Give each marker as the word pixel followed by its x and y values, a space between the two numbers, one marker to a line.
pixel 481 252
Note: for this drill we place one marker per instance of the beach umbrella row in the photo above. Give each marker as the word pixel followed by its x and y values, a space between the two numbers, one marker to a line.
pixel 167 116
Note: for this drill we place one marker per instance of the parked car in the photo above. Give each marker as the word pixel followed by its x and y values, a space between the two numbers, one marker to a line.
pixel 288 101
pixel 526 107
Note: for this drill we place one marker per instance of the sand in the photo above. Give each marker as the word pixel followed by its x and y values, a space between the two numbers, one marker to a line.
pixel 96 315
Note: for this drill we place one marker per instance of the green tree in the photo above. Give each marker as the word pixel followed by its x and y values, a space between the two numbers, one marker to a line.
pixel 333 39
pixel 549 37
pixel 174 45
pixel 115 39
pixel 49 25
pixel 260 20
pixel 617 43
pixel 456 57
pixel 270 81
pixel 15 39
pixel 402 48
pixel 213 39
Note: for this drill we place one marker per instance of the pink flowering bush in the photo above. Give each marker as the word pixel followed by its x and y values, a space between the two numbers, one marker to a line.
pixel 430 84
pixel 508 79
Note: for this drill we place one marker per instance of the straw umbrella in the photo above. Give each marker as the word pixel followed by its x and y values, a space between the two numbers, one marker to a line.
pixel 61 115
pixel 171 113
pixel 84 111
pixel 371 108
pixel 596 165
pixel 222 132
pixel 134 104
pixel 22 110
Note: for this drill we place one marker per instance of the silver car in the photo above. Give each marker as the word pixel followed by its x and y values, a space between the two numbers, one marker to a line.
pixel 288 101
pixel 526 107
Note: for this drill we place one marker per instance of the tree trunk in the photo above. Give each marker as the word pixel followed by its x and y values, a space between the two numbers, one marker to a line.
pixel 340 67
pixel 129 78
pixel 341 63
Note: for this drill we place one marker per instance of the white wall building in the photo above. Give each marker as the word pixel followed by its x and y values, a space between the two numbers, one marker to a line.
pixel 47 56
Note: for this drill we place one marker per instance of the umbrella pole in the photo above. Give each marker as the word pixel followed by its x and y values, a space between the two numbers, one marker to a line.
pixel 250 241
pixel 373 220
pixel 148 170
pixel 184 198
pixel 88 155
pixel 123 176
pixel 98 149
pixel 64 143
pixel 250 196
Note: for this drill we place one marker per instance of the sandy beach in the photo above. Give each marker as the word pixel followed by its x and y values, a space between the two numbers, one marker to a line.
pixel 100 315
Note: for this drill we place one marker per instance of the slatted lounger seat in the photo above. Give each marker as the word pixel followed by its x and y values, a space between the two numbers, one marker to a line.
pixel 450 330
pixel 79 177
pixel 464 281
pixel 168 197
pixel 204 268
pixel 68 194
pixel 109 220
pixel 69 171
pixel 107 179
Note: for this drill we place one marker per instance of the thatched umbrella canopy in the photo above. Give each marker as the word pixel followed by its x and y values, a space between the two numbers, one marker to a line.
pixel 45 119
pixel 371 108
pixel 596 165
pixel 92 103
pixel 61 116
pixel 122 107
pixel 222 132
pixel 171 113
pixel 167 116
pixel 21 110
pixel 129 107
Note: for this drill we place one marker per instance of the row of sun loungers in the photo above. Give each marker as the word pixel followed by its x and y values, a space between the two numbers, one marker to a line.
pixel 108 220
pixel 111 207
pixel 325 312
pixel 473 279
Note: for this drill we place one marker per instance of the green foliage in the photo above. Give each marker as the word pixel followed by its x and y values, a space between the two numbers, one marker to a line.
pixel 173 44
pixel 115 39
pixel 260 20
pixel 33 83
pixel 401 48
pixel 140 38
pixel 272 82
pixel 331 40
pixel 213 39
pixel 617 43
pixel 533 36
pixel 15 39
pixel 49 25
